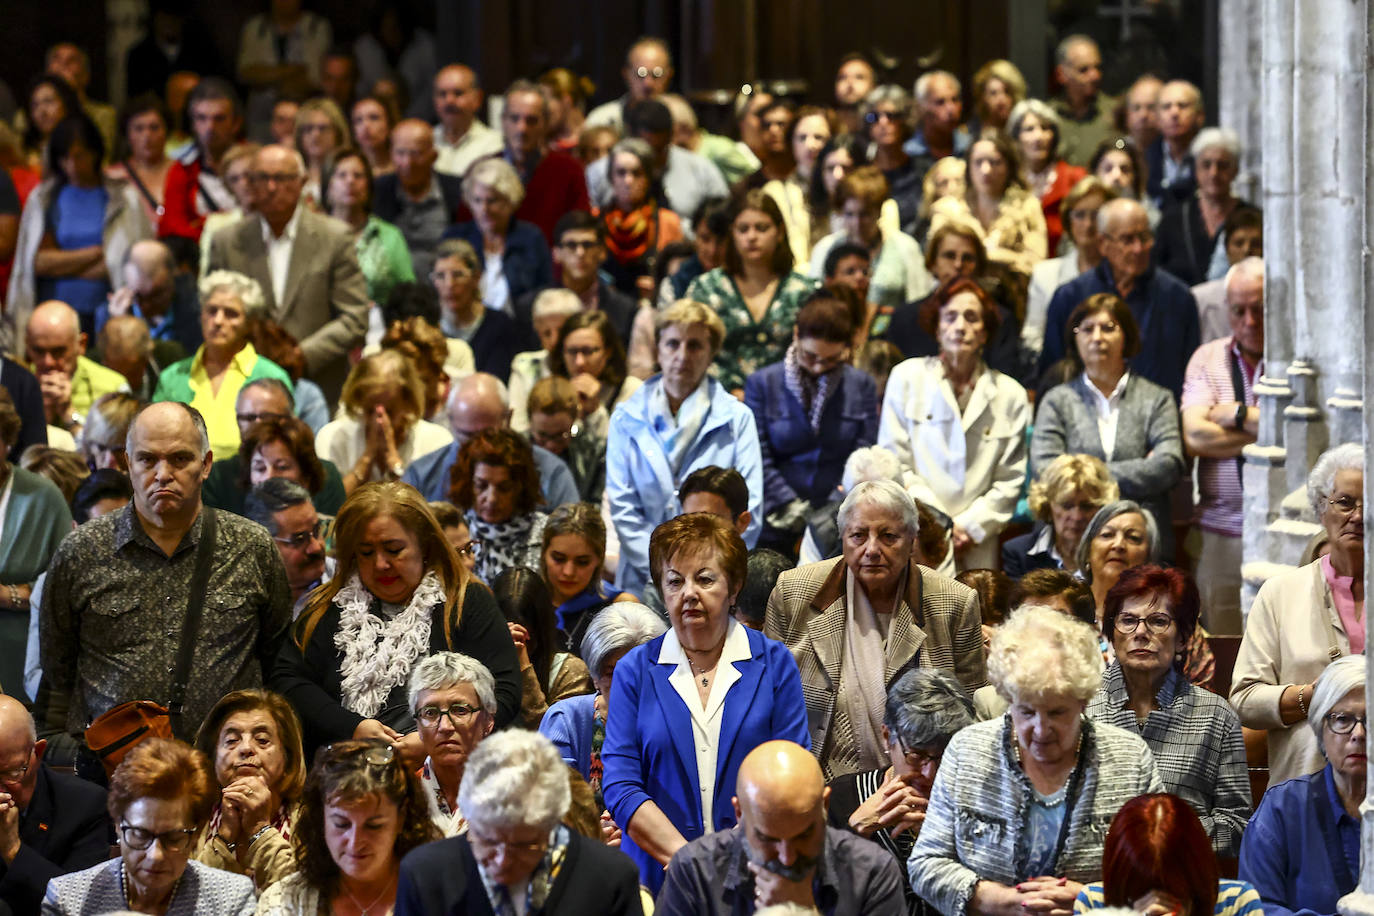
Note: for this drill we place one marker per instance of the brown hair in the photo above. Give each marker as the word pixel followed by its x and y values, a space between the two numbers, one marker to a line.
pixel 288 732
pixel 1056 583
pixel 553 394
pixel 563 81
pixel 826 317
pixel 404 504
pixel 9 419
pixel 343 773
pixel 167 770
pixel 1006 149
pixel 866 184
pixel 299 440
pixel 379 372
pixel 66 469
pixel 274 342
pixel 501 448
pixel 332 162
pixel 1095 304
pixel 940 233
pixel 330 109
pixel 756 199
pixel 699 532
pixel 994 591
pixel 616 370
pixel 426 347
pixel 929 316
pixel 583 520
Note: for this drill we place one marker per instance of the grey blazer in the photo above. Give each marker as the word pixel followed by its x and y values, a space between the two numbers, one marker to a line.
pixel 1147 459
pixel 325 302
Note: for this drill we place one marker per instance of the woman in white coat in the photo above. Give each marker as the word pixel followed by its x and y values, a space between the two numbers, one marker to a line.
pixel 957 426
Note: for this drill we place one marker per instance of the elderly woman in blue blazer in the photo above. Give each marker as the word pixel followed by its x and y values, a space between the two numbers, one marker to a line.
pixel 1111 413
pixel 688 707
pixel 678 421
pixel 812 410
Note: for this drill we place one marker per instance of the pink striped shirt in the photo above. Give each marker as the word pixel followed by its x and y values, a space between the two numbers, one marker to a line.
pixel 1207 382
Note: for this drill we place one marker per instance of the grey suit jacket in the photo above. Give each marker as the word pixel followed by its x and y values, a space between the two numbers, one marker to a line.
pixel 938 624
pixel 1147 459
pixel 325 302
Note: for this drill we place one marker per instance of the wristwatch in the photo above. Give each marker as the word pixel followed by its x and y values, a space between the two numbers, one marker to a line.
pixel 1241 411
pixel 73 421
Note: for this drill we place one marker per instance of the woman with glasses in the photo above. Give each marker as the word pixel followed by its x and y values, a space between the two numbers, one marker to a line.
pixel 361 812
pixel 320 131
pixel 958 426
pixel 589 353
pixel 276 447
pixel 812 410
pixel 496 485
pixel 1301 850
pixel 492 334
pixel 515 795
pixel 399 595
pixel 1151 613
pixel 924 709
pixel 1111 413
pixel 888 124
pixel 253 739
pixel 1064 497
pixel 1304 618
pixel 452 697
pixel 161 798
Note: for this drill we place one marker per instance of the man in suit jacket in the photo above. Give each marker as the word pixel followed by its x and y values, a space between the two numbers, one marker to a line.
pixel 307 265
pixel 50 823
pixel 419 201
pixel 935 622
pixel 579 250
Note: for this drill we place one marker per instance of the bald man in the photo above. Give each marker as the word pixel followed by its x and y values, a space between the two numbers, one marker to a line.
pixel 154 291
pixel 648 72
pixel 782 851
pixel 417 199
pixel 460 138
pixel 1180 114
pixel 50 823
pixel 56 352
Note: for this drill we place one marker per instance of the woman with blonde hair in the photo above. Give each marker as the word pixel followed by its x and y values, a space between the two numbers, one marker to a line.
pixel 1063 499
pixel 382 428
pixel 107 425
pixel 63 468
pixel 321 129
pixel 399 595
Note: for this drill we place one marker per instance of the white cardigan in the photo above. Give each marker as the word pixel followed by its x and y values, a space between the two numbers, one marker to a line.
pixel 1292 634
pixel 970 466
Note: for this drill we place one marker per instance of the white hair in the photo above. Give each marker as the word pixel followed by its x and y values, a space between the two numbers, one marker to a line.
pixel 621 626
pixel 1040 652
pixel 1322 480
pixel 514 778
pixel 887 495
pixel 1117 209
pixel 241 286
pixel 443 670
pixel 1061 51
pixel 680 109
pixel 555 303
pixel 1340 677
pixel 498 175
pixel 1251 268
pixel 924 80
pixel 1210 137
pixel 870 463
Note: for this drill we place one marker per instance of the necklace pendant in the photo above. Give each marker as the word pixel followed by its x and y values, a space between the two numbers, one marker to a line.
pixel 705 681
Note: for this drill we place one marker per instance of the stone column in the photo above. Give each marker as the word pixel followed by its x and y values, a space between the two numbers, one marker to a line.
pixel 1239 26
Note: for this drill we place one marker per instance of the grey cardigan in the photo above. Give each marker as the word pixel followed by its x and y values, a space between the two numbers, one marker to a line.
pixel 980 799
pixel 1147 458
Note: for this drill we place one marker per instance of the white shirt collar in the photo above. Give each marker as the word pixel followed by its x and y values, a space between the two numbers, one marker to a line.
pixel 736 648
pixel 1106 402
pixel 288 234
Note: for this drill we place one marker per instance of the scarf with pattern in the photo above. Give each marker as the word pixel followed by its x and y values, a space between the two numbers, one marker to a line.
pixel 812 390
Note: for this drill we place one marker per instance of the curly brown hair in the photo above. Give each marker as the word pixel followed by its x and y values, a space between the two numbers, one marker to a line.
pixel 299 440
pixel 427 349
pixel 499 448
pixel 929 316
pixel 343 773
pixel 274 342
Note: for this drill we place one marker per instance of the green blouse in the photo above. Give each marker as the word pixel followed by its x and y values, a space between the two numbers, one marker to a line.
pixel 384 258
pixel 750 345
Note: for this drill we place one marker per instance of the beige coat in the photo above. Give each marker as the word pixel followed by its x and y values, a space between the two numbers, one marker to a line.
pixel 1292 634
pixel 1017 238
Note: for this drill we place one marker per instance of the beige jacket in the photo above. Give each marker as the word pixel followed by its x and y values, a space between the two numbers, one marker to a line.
pixel 270 859
pixel 1292 634
pixel 1018 236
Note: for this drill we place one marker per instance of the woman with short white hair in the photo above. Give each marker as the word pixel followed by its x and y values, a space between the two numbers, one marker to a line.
pixel 880 612
pixel 551 308
pixel 515 794
pixel 1304 618
pixel 1030 792
pixel 210 381
pixel 453 697
pixel 1189 236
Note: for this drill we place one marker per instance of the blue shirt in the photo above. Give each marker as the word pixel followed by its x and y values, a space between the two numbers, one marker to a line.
pixel 1301 850
pixel 430 475
pixel 77 220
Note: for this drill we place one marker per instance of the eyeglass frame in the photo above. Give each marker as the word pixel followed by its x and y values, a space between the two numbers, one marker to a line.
pixel 314 534
pixel 251 418
pixel 1329 721
pixel 7 776
pixel 447 712
pixel 1119 623
pixel 1356 505
pixel 541 847
pixel 178 840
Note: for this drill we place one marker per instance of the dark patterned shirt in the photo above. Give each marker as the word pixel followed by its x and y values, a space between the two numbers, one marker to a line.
pixel 110 621
pixel 750 345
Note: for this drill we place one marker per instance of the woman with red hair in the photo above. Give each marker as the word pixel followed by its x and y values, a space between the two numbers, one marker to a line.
pixel 1149 615
pixel 1158 860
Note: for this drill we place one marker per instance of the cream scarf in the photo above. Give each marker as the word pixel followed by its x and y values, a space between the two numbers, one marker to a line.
pixel 379 651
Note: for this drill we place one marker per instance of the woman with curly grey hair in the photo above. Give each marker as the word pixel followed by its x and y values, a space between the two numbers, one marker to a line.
pixel 1305 618
pixel 1031 791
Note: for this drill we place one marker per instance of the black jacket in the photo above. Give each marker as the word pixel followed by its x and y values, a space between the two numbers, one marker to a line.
pixel 441 879
pixel 1017 560
pixel 64 829
pixel 313 684
pixel 386 196
pixel 619 308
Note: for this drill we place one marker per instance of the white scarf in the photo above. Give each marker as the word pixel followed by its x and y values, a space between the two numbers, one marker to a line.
pixel 378 653
pixel 862 695
pixel 450 823
pixel 679 433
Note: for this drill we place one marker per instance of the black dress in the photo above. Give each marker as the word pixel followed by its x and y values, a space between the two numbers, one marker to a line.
pixel 847 793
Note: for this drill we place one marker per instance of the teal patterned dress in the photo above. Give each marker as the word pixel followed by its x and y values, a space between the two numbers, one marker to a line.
pixel 750 345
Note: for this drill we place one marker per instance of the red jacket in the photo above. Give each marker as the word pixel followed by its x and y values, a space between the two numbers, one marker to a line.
pixel 1065 177
pixel 181 215
pixel 558 186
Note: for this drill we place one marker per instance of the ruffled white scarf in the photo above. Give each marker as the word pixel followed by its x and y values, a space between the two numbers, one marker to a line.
pixel 379 653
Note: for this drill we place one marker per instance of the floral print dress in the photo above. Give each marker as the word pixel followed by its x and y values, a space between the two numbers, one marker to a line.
pixel 750 345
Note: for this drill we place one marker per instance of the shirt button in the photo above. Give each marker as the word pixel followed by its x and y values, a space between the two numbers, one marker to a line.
pixel 763 337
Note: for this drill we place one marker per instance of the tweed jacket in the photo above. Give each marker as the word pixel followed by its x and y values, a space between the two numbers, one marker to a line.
pixel 325 295
pixel 938 624
pixel 981 797
pixel 1147 458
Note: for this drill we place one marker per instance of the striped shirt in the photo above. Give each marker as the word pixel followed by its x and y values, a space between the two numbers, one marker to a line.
pixel 1234 898
pixel 1207 382
pixel 1196 741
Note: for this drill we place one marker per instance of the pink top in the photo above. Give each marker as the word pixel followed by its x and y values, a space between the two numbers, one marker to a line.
pixel 1350 611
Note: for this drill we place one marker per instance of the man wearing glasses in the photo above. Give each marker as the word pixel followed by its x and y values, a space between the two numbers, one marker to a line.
pixel 50 823
pixel 579 251
pixel 648 73
pixel 1163 306
pixel 284 508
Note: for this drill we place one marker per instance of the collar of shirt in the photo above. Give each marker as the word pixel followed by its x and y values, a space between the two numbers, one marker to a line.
pixel 591 297
pixel 1114 682
pixel 1106 403
pixel 129 528
pixel 242 362
pixel 434 193
pixel 1044 543
pixel 735 649
pixel 1338 812
pixel 1138 292
pixel 288 234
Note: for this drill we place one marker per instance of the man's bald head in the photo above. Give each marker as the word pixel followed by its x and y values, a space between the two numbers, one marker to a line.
pixel 125 346
pixel 19 749
pixel 15 721
pixel 1119 212
pixel 148 270
pixel 780 776
pixel 412 151
pixel 149 255
pixel 476 404
pixel 52 338
pixel 278 180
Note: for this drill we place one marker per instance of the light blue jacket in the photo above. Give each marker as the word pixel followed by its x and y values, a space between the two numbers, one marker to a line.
pixel 640 485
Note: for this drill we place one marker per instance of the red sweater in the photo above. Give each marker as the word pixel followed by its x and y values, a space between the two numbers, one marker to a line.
pixel 180 214
pixel 1065 177
pixel 558 186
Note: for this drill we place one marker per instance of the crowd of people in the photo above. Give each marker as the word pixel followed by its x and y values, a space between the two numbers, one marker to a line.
pixel 590 513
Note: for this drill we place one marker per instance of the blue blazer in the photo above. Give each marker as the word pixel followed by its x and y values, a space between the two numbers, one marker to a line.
pixel 648 753
pixel 526 262
pixel 796 461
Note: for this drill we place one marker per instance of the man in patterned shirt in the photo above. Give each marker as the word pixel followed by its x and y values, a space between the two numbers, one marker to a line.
pixel 111 618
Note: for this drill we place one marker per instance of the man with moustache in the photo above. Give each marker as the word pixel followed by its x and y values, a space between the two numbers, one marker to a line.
pixel 284 508
pixel 460 138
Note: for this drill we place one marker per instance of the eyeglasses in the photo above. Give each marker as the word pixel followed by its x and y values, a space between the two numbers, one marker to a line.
pixel 644 72
pixel 1155 623
pixel 509 848
pixel 1342 723
pixel 1144 238
pixel 140 839
pixel 873 117
pixel 919 758
pixel 1107 327
pixel 472 548
pixel 1346 505
pixel 302 539
pixel 584 352
pixel 457 714
pixel 558 438
pixel 247 419
pixel 16 775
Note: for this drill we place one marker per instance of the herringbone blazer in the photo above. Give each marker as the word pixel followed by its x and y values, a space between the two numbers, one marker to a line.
pixel 938 624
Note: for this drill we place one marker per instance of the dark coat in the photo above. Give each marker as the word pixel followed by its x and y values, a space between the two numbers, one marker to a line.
pixel 1002 352
pixel 1017 560
pixel 64 829
pixel 1155 188
pixel 386 196
pixel 619 308
pixel 527 263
